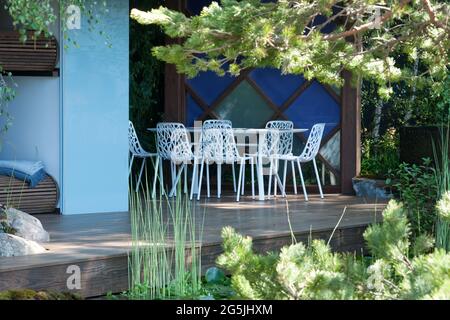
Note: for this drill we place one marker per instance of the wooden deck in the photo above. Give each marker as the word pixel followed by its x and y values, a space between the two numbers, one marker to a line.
pixel 98 243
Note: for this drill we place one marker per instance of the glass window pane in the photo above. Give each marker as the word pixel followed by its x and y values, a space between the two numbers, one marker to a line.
pixel 315 105
pixel 245 107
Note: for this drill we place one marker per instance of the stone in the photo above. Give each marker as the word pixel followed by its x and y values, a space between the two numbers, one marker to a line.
pixel 14 246
pixel 370 188
pixel 27 226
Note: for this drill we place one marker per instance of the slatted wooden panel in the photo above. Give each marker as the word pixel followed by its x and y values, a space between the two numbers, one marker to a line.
pixel 17 194
pixel 33 55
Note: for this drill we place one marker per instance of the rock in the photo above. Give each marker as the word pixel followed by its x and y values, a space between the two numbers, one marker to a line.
pixel 13 246
pixel 370 188
pixel 27 226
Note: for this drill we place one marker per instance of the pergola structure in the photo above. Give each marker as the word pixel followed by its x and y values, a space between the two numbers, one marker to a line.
pixel 261 95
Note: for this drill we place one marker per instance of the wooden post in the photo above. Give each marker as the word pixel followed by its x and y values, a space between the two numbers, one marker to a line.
pixel 350 132
pixel 174 90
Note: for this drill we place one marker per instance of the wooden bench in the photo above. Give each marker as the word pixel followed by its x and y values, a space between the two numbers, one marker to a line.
pixel 17 194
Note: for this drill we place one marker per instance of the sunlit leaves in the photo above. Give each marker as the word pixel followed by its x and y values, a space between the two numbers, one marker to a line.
pixel 286 35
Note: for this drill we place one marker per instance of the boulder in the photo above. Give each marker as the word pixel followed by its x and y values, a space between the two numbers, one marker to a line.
pixel 371 188
pixel 27 226
pixel 13 246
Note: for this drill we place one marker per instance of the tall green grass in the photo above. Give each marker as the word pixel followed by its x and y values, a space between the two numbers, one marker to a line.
pixel 165 259
pixel 442 171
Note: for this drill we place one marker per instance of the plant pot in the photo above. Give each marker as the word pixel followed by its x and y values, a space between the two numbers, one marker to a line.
pixel 417 142
pixel 371 188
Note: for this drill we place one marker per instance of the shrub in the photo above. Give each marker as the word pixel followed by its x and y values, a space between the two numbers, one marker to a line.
pixel 416 187
pixel 27 294
pixel 398 269
pixel 380 156
pixel 443 223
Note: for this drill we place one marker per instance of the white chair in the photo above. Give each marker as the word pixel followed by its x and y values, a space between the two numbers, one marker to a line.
pixel 309 154
pixel 137 151
pixel 269 148
pixel 285 141
pixel 174 145
pixel 220 147
pixel 216 124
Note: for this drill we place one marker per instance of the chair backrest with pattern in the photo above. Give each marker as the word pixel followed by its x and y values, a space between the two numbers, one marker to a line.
pixel 313 144
pixel 172 141
pixel 285 138
pixel 133 141
pixel 213 139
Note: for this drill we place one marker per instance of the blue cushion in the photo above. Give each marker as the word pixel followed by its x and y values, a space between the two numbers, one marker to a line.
pixel 33 180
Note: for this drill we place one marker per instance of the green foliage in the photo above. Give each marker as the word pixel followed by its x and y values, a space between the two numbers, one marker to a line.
pixel 282 34
pixel 5 227
pixel 417 188
pixel 442 173
pixel 312 272
pixel 443 103
pixel 146 78
pixel 27 294
pixel 443 222
pixel 158 266
pixel 380 156
pixel 217 285
pixel 395 271
pixel 429 277
pixel 40 15
pixel 254 275
pixel 390 239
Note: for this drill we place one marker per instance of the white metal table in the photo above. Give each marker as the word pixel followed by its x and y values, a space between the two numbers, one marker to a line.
pixel 247 132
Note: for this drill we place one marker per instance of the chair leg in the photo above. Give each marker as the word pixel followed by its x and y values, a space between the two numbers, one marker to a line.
pixel 294 180
pixel 194 177
pixel 280 183
pixel 284 176
pixel 177 179
pixel 208 187
pixel 131 164
pixel 156 167
pixel 275 187
pixel 275 179
pixel 318 178
pixel 270 180
pixel 200 180
pixel 219 180
pixel 161 177
pixel 185 180
pixel 173 173
pixel 243 181
pixel 302 180
pixel 140 174
pixel 252 167
pixel 234 177
pixel 241 167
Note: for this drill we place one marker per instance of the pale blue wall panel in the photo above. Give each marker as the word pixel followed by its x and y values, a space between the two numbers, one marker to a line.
pixel 34 134
pixel 95 117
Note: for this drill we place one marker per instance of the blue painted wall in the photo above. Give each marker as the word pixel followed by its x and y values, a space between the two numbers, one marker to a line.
pixel 34 134
pixel 94 117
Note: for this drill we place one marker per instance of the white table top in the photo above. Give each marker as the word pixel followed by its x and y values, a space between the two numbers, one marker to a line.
pixel 241 130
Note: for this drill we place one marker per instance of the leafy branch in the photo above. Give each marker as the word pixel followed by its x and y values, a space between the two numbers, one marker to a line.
pixel 360 36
